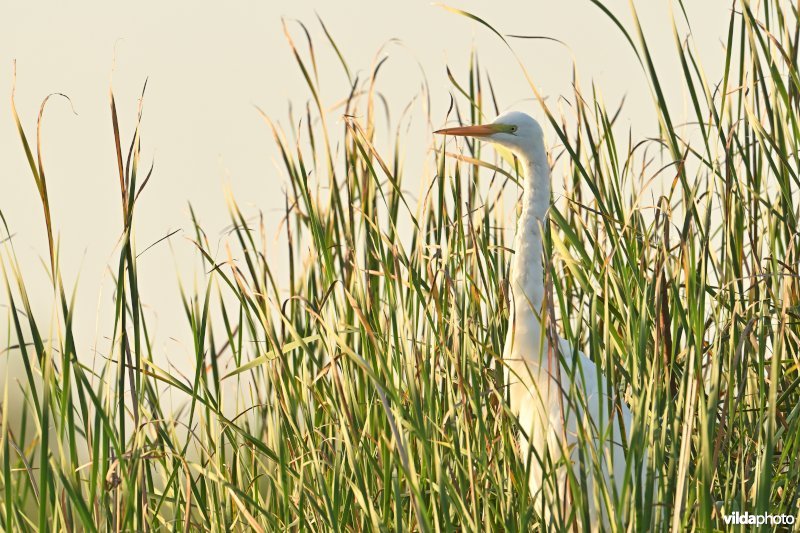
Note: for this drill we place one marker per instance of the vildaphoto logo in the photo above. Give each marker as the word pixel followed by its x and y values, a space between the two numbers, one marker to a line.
pixel 737 518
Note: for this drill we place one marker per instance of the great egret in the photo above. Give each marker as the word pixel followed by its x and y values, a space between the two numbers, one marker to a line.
pixel 561 408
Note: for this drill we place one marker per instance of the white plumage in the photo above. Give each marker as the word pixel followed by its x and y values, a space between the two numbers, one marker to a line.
pixel 566 422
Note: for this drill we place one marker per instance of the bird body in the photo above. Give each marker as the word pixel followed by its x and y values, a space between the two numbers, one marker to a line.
pixel 567 422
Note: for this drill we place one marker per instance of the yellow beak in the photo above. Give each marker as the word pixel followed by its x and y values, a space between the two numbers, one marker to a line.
pixel 480 130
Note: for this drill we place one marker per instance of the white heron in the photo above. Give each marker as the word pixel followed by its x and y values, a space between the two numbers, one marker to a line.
pixel 566 417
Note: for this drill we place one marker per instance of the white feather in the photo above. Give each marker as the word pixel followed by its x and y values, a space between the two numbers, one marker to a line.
pixel 562 411
pixel 567 423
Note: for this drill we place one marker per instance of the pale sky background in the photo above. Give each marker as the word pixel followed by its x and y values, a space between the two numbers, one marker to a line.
pixel 209 64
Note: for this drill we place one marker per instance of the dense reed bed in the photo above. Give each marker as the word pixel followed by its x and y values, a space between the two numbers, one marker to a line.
pixel 365 391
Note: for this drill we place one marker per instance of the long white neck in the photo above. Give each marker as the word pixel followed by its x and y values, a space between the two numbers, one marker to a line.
pixel 527 272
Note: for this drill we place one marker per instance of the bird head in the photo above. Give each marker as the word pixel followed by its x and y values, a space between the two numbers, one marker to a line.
pixel 513 130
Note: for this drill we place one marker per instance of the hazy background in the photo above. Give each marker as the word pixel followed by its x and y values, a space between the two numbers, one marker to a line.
pixel 208 65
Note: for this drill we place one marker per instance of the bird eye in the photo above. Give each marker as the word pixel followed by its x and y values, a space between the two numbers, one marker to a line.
pixel 513 129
